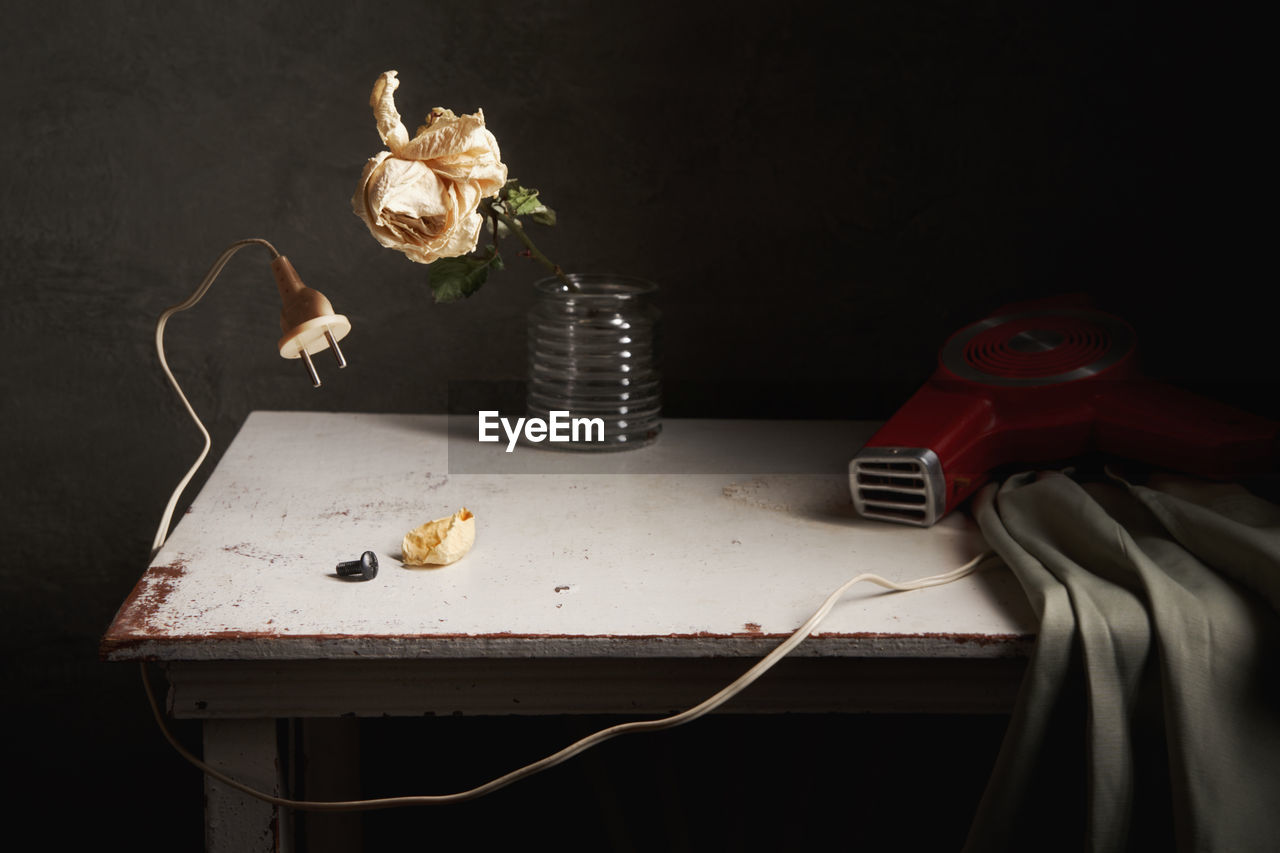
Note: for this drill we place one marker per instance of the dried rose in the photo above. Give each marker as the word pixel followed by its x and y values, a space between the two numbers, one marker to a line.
pixel 420 197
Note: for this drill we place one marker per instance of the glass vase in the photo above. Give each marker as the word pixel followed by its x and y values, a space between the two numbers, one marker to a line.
pixel 592 356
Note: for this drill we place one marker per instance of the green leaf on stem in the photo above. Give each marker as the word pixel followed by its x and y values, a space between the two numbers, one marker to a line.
pixel 543 215
pixel 521 201
pixel 452 279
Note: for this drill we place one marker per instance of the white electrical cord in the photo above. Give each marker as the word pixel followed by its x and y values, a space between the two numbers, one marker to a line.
pixel 704 707
pixel 708 705
pixel 163 532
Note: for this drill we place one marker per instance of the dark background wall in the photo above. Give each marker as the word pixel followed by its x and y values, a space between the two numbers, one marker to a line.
pixel 824 191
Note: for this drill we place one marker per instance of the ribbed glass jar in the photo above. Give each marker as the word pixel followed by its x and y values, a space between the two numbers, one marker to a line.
pixel 592 354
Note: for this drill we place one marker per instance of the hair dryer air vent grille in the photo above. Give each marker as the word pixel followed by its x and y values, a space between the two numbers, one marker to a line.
pixel 1038 347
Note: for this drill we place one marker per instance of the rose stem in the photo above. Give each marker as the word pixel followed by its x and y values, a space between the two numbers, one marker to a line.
pixel 534 251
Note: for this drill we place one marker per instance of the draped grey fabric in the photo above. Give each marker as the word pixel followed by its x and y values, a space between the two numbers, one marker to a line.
pixel 1149 717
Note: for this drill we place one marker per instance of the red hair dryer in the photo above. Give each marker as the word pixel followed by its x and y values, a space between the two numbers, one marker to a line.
pixel 1043 382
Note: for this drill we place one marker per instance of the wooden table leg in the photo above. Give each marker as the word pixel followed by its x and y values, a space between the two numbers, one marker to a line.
pixel 329 759
pixel 249 752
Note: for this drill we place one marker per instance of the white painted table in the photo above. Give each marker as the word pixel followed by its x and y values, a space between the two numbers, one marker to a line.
pixel 630 582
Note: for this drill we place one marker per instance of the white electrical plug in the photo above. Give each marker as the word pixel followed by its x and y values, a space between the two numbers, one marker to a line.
pixel 306 319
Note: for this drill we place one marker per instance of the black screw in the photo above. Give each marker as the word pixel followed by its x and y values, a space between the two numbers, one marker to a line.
pixel 365 568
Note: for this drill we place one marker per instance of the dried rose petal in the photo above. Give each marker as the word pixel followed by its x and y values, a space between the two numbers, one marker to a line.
pixel 440 542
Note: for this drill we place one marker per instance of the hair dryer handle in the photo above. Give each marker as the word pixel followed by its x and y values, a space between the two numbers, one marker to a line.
pixel 1169 427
